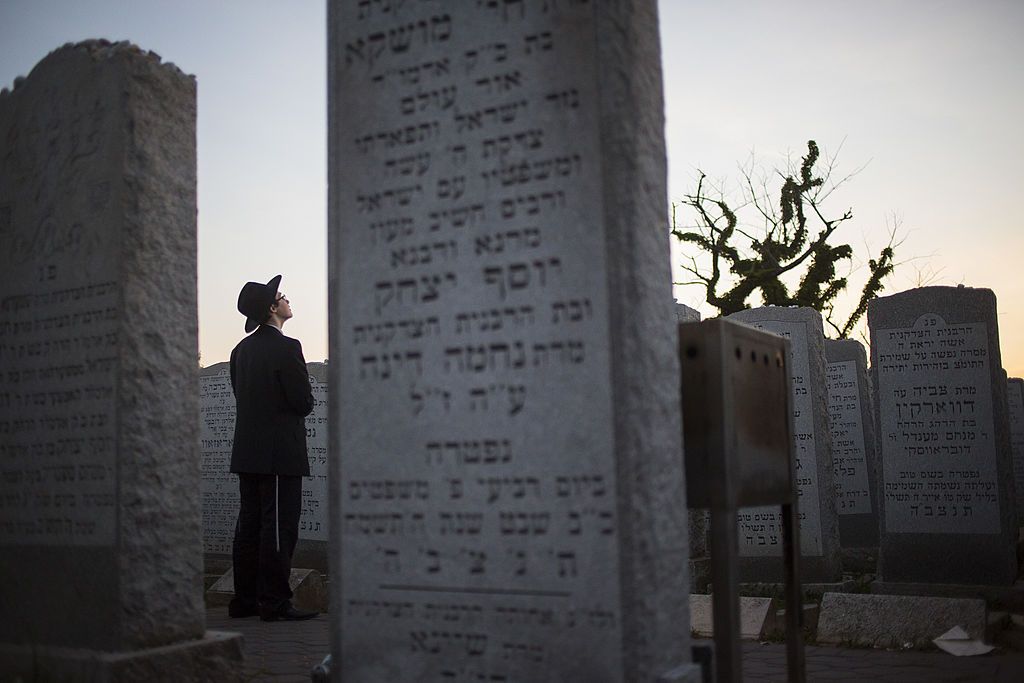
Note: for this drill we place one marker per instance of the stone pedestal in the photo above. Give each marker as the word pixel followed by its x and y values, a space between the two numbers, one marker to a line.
pixel 507 491
pixel 100 546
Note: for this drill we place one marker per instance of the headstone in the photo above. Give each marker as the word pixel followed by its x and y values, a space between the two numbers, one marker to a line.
pixel 220 487
pixel 100 539
pixel 854 453
pixel 700 561
pixel 760 533
pixel 947 477
pixel 508 498
pixel 1015 394
pixel 685 314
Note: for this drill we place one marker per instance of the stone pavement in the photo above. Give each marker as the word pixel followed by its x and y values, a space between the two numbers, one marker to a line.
pixel 285 652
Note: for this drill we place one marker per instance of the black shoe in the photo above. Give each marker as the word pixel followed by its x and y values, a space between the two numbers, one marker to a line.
pixel 288 613
pixel 240 611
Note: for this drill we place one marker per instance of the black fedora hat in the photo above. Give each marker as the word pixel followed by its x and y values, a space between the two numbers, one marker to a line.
pixel 254 301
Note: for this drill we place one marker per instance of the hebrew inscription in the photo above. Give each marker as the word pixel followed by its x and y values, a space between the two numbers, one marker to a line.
pixel 60 310
pixel 478 478
pixel 848 452
pixel 219 490
pixel 937 428
pixel 760 529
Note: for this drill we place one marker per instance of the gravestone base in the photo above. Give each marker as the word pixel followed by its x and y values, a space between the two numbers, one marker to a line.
pixel 1006 598
pixel 217 656
pixel 813 570
pixel 896 621
pixel 308 587
pixel 859 560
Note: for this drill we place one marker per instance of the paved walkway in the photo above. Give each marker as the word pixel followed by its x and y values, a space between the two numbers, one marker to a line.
pixel 287 651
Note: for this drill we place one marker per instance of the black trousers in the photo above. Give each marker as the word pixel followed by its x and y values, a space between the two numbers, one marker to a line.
pixel 265 537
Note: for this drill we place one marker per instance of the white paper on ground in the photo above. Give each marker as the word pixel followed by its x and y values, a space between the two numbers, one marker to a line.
pixel 956 642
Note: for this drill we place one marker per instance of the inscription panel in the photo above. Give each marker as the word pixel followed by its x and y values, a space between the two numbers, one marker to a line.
pixel 60 309
pixel 937 428
pixel 848 453
pixel 477 473
pixel 219 487
pixel 760 528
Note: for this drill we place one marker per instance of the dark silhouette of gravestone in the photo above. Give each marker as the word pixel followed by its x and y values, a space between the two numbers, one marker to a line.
pixel 101 557
pixel 947 508
pixel 854 453
pixel 700 561
pixel 220 487
pixel 760 533
pixel 508 499
pixel 1015 395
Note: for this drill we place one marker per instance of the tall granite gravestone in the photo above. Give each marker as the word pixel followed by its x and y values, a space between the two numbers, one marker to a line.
pixel 854 452
pixel 760 533
pixel 507 494
pixel 947 508
pixel 1015 393
pixel 100 546
pixel 220 487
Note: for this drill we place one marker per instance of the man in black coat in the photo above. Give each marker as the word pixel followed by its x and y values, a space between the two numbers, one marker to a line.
pixel 273 397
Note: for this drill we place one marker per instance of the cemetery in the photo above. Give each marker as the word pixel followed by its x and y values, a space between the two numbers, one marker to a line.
pixel 527 460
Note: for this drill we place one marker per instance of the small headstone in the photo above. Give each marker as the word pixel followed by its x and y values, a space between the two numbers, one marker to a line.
pixel 947 506
pixel 220 487
pixel 1015 392
pixel 896 621
pixel 685 314
pixel 760 533
pixel 100 537
pixel 854 455
pixel 509 488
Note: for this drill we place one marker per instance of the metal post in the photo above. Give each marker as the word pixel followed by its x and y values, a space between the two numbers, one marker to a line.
pixel 725 598
pixel 794 595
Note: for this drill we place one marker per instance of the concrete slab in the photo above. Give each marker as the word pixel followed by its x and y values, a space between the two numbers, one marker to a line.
pixel 896 620
pixel 757 616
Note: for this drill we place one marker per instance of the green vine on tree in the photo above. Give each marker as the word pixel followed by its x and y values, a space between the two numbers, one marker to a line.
pixel 782 247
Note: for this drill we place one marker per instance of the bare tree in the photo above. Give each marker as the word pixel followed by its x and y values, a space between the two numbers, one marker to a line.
pixel 749 258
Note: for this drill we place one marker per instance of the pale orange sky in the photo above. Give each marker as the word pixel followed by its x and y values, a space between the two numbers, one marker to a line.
pixel 927 93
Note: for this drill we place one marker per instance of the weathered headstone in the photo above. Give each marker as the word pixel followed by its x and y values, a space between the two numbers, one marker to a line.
pixel 700 561
pixel 760 532
pixel 685 314
pixel 100 539
pixel 1015 394
pixel 947 477
pixel 854 453
pixel 507 492
pixel 220 487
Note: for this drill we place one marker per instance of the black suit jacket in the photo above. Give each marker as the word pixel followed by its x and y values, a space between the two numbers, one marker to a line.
pixel 272 397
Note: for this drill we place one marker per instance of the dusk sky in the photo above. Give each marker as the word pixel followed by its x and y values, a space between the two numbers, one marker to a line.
pixel 926 95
